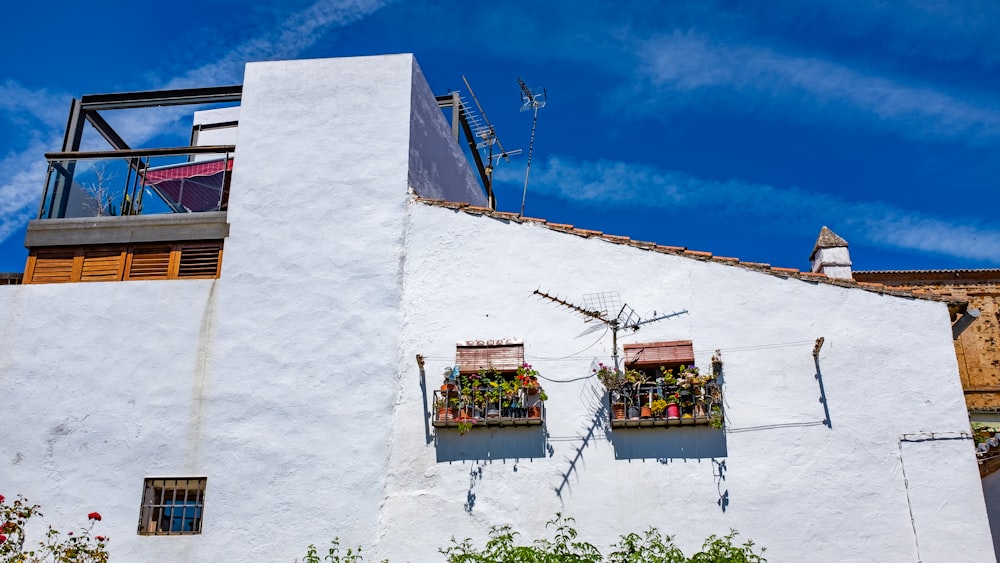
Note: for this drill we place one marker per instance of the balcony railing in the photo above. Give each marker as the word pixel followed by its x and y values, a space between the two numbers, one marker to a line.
pixel 137 182
pixel 484 406
pixel 653 404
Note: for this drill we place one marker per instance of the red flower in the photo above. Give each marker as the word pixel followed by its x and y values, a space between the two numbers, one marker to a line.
pixel 3 538
pixel 1 498
pixel 95 516
pixel 99 538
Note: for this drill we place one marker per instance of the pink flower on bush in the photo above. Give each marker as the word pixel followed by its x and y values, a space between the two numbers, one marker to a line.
pixel 95 516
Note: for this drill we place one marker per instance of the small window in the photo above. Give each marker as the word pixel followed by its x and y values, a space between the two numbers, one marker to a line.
pixel 172 506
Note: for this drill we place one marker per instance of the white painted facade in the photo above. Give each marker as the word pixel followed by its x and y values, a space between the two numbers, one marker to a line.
pixel 291 381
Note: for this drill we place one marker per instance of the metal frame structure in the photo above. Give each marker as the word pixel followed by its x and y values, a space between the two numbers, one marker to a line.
pixel 87 108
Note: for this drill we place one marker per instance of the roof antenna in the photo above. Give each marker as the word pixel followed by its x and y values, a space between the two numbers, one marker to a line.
pixel 487 135
pixel 600 306
pixel 534 100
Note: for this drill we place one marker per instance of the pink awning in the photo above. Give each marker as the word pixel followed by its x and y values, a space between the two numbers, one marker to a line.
pixel 191 186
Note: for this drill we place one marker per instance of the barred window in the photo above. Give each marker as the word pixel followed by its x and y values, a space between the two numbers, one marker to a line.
pixel 172 506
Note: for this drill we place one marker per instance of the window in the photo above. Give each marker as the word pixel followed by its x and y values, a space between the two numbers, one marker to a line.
pixel 172 506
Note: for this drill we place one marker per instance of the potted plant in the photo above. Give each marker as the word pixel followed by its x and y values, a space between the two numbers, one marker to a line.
pixel 634 380
pixel 715 420
pixel 614 381
pixel 528 378
pixel 673 406
pixel 658 407
pixel 443 412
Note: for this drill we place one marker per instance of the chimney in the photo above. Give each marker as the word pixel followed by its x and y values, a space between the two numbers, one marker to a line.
pixel 830 256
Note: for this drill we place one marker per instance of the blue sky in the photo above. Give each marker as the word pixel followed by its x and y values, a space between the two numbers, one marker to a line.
pixel 738 128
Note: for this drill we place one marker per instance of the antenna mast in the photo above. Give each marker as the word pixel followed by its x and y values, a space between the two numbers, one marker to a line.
pixel 488 137
pixel 534 100
pixel 599 306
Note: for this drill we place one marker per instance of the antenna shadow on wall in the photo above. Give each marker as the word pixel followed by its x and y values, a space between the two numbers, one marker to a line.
pixel 700 442
pixel 485 444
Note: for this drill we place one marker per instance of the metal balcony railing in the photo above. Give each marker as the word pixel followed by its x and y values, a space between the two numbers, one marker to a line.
pixel 485 406
pixel 652 404
pixel 137 182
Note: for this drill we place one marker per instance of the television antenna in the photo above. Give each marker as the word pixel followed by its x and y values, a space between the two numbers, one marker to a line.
pixel 607 308
pixel 531 99
pixel 487 135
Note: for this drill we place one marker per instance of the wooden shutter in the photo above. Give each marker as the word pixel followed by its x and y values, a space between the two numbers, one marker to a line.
pixel 103 263
pixel 150 262
pixel 655 354
pixel 500 355
pixel 200 260
pixel 51 265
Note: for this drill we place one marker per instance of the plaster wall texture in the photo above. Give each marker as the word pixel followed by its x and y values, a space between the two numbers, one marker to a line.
pixel 787 480
pixel 290 382
pixel 277 380
pixel 438 167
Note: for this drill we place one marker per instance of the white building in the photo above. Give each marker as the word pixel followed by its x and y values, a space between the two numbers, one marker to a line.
pixel 290 382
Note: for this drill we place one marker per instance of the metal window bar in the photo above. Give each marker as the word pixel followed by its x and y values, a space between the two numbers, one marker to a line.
pixel 172 506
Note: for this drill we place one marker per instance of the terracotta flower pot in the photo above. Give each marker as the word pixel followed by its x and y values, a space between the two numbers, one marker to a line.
pixel 618 411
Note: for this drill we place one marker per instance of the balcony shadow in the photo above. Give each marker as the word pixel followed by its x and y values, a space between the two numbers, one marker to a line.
pixel 490 443
pixel 665 444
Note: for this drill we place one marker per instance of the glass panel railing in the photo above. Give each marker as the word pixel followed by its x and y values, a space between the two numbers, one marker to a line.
pixel 137 182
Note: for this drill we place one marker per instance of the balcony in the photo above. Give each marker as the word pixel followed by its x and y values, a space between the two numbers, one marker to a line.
pixel 137 182
pixel 656 404
pixel 468 407
pixel 136 213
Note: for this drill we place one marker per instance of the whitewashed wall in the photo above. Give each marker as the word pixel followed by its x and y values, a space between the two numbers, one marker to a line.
pixel 806 491
pixel 291 382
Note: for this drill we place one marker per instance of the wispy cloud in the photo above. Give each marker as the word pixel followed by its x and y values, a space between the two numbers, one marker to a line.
pixel 688 68
pixel 21 188
pixel 621 184
pixel 295 34
pixel 44 113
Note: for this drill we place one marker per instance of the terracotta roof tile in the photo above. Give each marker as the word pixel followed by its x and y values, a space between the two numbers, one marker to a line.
pixel 761 267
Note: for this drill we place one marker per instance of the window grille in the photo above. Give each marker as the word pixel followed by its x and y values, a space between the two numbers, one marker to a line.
pixel 172 506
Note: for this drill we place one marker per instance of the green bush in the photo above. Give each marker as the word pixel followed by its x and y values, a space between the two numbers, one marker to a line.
pixel 565 547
